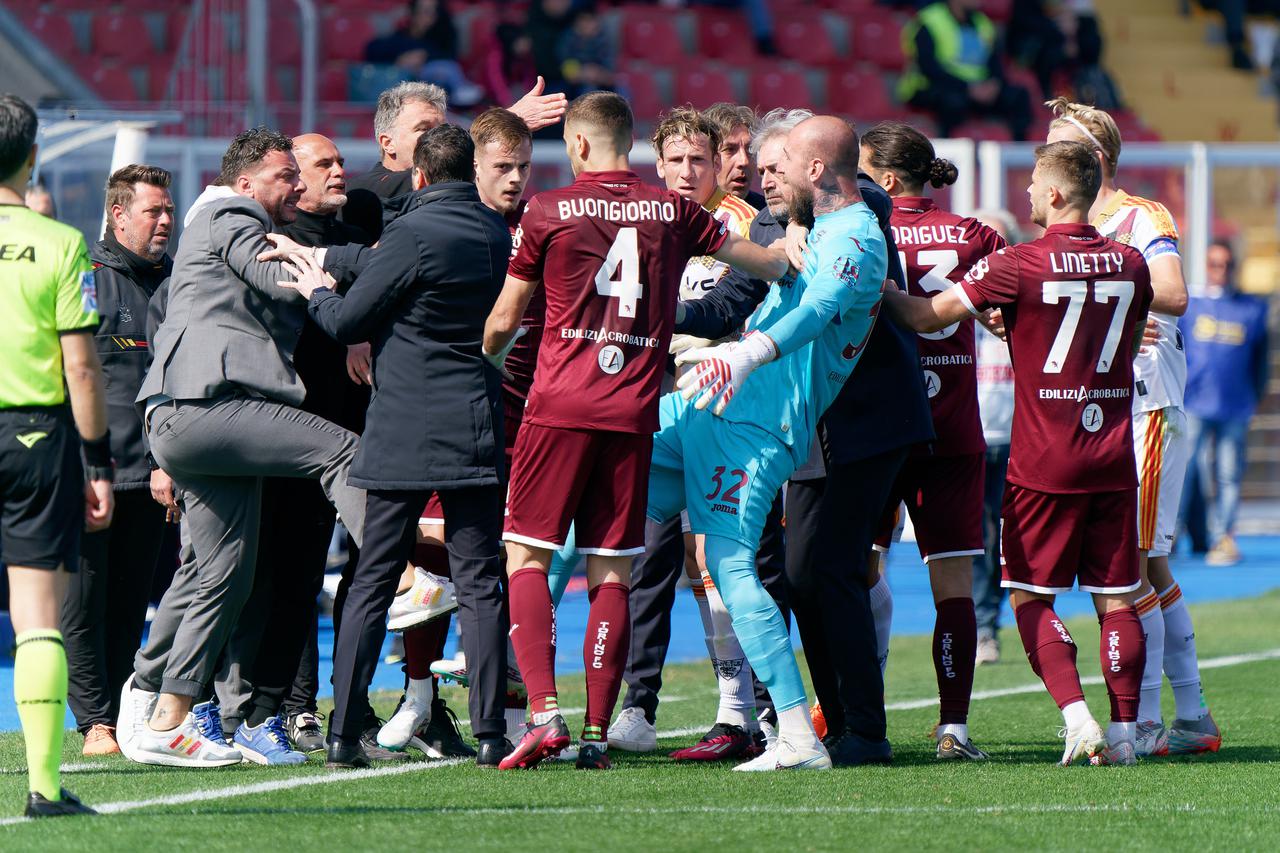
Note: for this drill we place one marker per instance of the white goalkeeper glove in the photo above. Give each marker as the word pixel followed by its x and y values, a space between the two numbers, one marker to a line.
pixel 499 359
pixel 722 369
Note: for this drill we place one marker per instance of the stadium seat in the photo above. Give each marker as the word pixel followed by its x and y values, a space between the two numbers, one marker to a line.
pixel 285 44
pixel 123 37
pixel 982 131
pixel 111 81
pixel 803 36
pixel 725 36
pixel 860 94
pixel 55 31
pixel 877 38
pixel 479 33
pixel 641 90
pixel 704 87
pixel 780 87
pixel 850 7
pixel 650 34
pixel 345 37
pixel 333 83
pixel 211 35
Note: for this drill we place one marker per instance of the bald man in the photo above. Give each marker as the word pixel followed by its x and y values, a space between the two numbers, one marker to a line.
pixel 277 629
pixel 727 441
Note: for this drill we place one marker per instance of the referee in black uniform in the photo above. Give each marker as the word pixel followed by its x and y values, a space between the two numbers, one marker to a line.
pixel 46 494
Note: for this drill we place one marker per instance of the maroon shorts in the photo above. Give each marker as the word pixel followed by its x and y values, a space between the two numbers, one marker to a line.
pixel 1049 541
pixel 596 480
pixel 433 512
pixel 944 496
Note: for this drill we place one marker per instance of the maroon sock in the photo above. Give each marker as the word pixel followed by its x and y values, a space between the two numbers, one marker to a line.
pixel 1123 654
pixel 604 655
pixel 424 646
pixel 955 649
pixel 1051 651
pixel 432 557
pixel 533 636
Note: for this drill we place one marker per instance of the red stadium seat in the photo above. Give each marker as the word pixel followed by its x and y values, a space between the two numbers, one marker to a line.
pixel 111 81
pixel 480 33
pixel 861 95
pixel 123 37
pixel 651 34
pixel 704 87
pixel 642 91
pixel 285 43
pixel 211 35
pixel 877 38
pixel 725 36
pixel 345 37
pixel 803 36
pixel 780 87
pixel 982 131
pixel 55 31
pixel 333 83
pixel 850 7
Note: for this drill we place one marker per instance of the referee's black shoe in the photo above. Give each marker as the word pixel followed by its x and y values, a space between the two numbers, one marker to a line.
pixel 345 754
pixel 493 750
pixel 38 806
pixel 849 749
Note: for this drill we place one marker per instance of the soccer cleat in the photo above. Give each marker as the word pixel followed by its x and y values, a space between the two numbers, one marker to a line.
pixel 413 713
pixel 439 737
pixel 346 754
pixel 1190 737
pixel 988 650
pixel 136 707
pixel 69 804
pixel 819 720
pixel 593 756
pixel 100 740
pixel 951 749
pixel 538 744
pixel 430 597
pixel 631 732
pixel 455 670
pixel 721 743
pixel 1121 754
pixel 267 743
pixel 185 746
pixel 305 732
pixel 1152 738
pixel 492 751
pixel 786 755
pixel 1084 742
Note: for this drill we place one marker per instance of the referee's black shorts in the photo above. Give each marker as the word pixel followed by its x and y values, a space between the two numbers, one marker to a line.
pixel 41 488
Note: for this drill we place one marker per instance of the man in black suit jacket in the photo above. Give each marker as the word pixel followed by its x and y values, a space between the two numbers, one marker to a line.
pixel 434 424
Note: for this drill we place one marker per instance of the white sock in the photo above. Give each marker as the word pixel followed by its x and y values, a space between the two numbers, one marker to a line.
pixel 795 725
pixel 419 692
pixel 1180 661
pixel 1121 732
pixel 960 731
pixel 882 614
pixel 1149 614
pixel 1076 714
pixel 733 674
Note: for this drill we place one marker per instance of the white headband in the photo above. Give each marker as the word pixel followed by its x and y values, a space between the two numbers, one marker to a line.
pixel 1085 131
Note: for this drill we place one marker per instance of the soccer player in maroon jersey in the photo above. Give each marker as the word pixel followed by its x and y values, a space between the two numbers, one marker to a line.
pixel 1074 304
pixel 610 251
pixel 942 483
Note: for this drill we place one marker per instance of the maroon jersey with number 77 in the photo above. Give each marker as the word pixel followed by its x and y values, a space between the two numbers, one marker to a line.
pixel 1073 302
pixel 609 251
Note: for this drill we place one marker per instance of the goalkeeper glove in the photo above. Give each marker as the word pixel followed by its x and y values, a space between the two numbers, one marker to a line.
pixel 722 369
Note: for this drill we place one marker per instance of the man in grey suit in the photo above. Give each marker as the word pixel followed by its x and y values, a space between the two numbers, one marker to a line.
pixel 221 412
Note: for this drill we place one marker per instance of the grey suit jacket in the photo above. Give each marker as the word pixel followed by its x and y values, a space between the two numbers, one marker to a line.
pixel 228 328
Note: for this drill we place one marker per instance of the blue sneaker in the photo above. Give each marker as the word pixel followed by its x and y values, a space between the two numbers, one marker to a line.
pixel 209 722
pixel 267 744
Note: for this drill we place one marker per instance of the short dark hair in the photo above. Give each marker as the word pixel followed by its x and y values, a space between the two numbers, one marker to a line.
pixel 17 134
pixel 1075 166
pixel 445 153
pixel 608 112
pixel 248 149
pixel 120 186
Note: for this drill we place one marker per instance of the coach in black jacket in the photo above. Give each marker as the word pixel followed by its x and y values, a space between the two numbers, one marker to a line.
pixel 106 604
pixel 421 297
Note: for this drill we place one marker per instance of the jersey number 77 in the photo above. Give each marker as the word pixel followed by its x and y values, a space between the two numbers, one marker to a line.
pixel 1077 293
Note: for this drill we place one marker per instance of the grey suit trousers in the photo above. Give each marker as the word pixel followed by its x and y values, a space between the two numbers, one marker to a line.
pixel 217 451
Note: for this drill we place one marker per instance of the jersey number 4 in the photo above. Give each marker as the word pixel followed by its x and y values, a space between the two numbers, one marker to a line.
pixel 1077 293
pixel 623 261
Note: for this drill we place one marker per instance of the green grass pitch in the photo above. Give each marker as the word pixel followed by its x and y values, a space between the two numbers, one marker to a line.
pixel 1018 800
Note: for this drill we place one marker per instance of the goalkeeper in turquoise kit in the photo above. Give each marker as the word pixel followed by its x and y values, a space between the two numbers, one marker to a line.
pixel 728 440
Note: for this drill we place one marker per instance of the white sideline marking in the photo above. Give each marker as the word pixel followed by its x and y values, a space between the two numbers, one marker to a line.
pixel 417 766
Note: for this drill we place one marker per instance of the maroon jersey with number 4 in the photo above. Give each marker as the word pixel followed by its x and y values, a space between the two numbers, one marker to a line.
pixel 609 251
pixel 1073 302
pixel 937 249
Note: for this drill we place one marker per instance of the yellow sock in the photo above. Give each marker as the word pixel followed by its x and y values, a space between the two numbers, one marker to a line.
pixel 40 688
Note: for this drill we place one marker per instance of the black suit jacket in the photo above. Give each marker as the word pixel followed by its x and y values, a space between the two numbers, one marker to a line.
pixel 422 298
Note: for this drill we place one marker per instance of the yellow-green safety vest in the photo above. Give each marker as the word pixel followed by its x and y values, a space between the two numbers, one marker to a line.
pixel 944 29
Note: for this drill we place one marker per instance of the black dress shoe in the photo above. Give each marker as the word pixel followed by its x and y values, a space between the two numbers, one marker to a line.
pixel 376 752
pixel 853 750
pixel 38 806
pixel 346 753
pixel 492 750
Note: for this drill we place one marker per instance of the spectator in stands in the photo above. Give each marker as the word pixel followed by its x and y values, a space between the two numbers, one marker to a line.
pixel 508 65
pixel 427 45
pixel 587 55
pixel 549 21
pixel 1053 36
pixel 955 69
pixel 1233 14
pixel 39 200
pixel 1226 343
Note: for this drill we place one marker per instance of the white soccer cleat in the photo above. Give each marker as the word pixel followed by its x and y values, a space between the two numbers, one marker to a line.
pixel 786 755
pixel 1120 754
pixel 412 714
pixel 185 746
pixel 431 596
pixel 631 732
pixel 1152 739
pixel 1083 742
pixel 136 707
